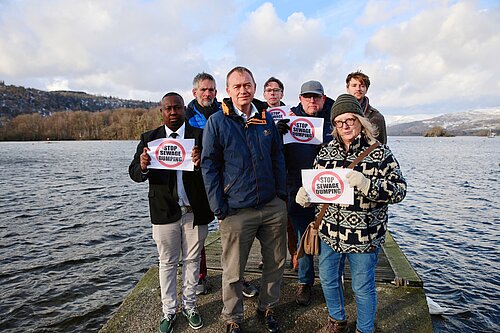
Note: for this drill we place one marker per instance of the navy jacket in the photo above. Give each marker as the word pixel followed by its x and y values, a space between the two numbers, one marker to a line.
pixel 300 156
pixel 242 163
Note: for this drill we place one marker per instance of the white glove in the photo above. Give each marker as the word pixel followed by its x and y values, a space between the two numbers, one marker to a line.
pixel 357 179
pixel 302 198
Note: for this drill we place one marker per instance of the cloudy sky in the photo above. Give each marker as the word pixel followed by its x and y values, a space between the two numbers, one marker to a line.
pixel 423 57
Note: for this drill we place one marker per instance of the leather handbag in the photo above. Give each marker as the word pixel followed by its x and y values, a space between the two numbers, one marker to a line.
pixel 309 242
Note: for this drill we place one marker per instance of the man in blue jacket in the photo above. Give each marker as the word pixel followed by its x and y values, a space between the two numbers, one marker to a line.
pixel 198 111
pixel 244 173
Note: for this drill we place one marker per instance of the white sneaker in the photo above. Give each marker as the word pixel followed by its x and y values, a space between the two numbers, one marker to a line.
pixel 201 287
pixel 249 290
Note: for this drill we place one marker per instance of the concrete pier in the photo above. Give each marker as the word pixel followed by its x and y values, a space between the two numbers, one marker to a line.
pixel 401 304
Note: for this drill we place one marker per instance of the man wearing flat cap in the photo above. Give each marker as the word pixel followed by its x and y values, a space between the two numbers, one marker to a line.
pixel 298 156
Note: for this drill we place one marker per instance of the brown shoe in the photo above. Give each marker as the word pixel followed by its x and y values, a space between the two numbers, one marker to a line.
pixel 267 316
pixel 295 262
pixel 232 327
pixel 303 296
pixel 336 326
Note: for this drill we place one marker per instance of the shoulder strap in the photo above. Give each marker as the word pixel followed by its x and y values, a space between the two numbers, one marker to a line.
pixel 365 153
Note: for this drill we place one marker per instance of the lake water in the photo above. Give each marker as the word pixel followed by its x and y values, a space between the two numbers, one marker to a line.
pixel 75 234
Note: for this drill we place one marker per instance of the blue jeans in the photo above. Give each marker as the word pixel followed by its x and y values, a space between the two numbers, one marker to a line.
pixel 362 265
pixel 306 263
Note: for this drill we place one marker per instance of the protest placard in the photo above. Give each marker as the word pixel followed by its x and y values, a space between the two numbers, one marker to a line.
pixel 328 186
pixel 172 154
pixel 279 112
pixel 308 130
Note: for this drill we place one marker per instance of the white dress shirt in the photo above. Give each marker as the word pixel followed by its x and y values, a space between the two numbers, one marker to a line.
pixel 183 199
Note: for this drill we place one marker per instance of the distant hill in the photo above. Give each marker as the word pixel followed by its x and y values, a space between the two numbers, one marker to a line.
pixel 16 100
pixel 475 122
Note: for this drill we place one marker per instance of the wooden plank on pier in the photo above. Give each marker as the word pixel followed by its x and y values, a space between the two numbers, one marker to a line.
pixel 383 272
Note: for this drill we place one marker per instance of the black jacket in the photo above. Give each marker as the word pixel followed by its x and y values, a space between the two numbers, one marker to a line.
pixel 299 156
pixel 163 207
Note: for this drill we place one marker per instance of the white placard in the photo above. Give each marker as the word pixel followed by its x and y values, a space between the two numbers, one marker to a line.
pixel 328 186
pixel 307 130
pixel 171 154
pixel 279 112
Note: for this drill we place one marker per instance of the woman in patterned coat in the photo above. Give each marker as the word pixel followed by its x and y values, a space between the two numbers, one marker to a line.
pixel 355 232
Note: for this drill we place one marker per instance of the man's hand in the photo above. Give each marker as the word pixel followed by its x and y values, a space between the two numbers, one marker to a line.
pixel 357 179
pixel 283 126
pixel 196 156
pixel 302 198
pixel 145 159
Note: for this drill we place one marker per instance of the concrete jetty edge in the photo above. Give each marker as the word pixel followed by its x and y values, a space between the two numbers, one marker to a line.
pixel 401 306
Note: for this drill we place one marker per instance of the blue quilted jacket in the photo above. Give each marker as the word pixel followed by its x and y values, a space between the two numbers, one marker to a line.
pixel 242 163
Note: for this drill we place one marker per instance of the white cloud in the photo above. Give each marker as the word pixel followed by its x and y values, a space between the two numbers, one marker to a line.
pixel 378 11
pixel 440 59
pixel 58 84
pixel 295 49
pixel 422 57
pixel 109 47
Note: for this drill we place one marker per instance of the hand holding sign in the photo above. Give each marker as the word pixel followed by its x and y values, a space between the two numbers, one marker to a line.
pixel 307 130
pixel 357 179
pixel 328 186
pixel 175 154
pixel 283 126
pixel 302 198
pixel 145 159
pixel 196 156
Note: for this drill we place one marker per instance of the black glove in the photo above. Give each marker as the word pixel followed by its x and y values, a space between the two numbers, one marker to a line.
pixel 283 126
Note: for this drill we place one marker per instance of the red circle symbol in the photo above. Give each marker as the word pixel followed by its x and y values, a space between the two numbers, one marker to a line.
pixel 328 178
pixel 294 123
pixel 277 113
pixel 164 147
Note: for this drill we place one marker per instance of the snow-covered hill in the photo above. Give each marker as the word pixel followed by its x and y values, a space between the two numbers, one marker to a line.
pixel 474 122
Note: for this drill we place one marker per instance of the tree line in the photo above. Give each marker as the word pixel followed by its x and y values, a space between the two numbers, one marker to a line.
pixel 117 124
pixel 437 131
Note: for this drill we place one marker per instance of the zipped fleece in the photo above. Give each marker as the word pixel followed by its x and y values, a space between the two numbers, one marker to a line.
pixel 242 163
pixel 361 227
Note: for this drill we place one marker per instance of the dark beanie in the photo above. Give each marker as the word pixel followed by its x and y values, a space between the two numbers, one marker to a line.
pixel 345 103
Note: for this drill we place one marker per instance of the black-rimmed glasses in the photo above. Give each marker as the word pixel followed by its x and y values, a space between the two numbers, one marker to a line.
pixel 348 121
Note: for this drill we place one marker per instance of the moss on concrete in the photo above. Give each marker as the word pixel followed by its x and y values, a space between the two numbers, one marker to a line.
pixel 400 309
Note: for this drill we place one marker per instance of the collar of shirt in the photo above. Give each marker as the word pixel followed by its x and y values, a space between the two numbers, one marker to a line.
pixel 181 192
pixel 253 112
pixel 180 131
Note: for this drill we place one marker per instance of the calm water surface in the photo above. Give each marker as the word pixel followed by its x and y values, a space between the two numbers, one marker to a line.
pixel 75 233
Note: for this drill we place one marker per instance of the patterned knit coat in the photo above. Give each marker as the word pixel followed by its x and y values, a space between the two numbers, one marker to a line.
pixel 361 227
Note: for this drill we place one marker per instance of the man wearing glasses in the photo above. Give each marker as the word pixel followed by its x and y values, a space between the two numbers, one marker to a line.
pixel 357 84
pixel 273 92
pixel 298 156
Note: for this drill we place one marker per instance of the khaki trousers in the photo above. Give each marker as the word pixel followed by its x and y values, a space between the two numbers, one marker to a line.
pixel 238 232
pixel 171 240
